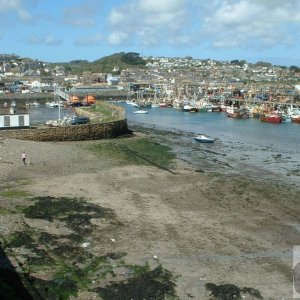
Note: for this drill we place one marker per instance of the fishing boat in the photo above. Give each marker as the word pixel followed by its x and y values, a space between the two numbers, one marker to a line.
pixel 271 118
pixel 295 119
pixel 237 113
pixel 201 138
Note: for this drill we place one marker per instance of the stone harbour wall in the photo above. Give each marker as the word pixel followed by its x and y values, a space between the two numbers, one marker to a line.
pixel 93 131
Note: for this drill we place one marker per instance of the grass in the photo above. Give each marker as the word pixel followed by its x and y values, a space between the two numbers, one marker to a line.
pixel 4 211
pixel 139 151
pixel 103 112
pixel 14 194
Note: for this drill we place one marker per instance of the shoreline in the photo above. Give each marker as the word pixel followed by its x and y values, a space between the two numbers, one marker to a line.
pixel 205 222
pixel 228 157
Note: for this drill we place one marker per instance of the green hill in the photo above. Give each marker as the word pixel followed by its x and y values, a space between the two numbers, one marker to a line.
pixel 106 64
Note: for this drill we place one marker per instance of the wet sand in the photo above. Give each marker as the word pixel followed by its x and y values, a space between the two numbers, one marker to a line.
pixel 212 218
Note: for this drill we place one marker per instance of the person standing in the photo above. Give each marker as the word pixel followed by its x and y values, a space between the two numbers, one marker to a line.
pixel 24 157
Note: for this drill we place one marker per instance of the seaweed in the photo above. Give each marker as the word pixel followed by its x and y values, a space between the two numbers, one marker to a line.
pixel 157 284
pixel 47 238
pixel 79 223
pixel 230 291
pixel 49 208
pixel 224 291
pixel 66 251
pixel 20 239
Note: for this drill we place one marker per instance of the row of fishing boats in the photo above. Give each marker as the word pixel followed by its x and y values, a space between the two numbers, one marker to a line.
pixel 280 115
pixel 275 116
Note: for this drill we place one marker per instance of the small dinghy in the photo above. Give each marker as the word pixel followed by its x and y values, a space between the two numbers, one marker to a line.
pixel 201 138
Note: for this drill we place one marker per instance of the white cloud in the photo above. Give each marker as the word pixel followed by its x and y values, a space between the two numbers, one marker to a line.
pixel 116 17
pixel 82 15
pixel 118 38
pixel 148 22
pixel 89 40
pixel 46 39
pixel 15 6
pixel 218 23
pixel 159 6
pixel 251 23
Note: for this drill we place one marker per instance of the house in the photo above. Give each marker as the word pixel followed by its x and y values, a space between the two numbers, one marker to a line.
pixel 112 80
pixel 90 77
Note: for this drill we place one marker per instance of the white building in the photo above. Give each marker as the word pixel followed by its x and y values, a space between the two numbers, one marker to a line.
pixel 12 120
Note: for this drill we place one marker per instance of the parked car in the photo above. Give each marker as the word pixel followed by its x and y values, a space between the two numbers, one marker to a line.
pixel 79 120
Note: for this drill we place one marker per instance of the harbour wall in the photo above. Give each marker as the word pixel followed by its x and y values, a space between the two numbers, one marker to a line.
pixel 94 131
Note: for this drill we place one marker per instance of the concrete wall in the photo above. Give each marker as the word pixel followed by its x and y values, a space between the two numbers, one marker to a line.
pixel 70 132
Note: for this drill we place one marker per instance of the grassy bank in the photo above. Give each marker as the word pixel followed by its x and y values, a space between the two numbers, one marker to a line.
pixel 134 151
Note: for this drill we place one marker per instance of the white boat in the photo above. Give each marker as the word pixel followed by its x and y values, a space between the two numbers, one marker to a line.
pixel 35 103
pixel 154 105
pixel 132 103
pixel 201 138
pixel 141 111
pixel 54 104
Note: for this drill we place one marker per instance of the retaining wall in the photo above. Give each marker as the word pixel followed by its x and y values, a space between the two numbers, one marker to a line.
pixel 82 132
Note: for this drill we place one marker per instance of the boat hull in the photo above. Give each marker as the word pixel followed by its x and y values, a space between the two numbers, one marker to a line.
pixel 296 119
pixel 271 119
pixel 204 140
pixel 140 112
pixel 237 115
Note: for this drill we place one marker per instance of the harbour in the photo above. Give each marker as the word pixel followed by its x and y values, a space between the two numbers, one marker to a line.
pixel 245 170
pixel 270 150
pixel 150 150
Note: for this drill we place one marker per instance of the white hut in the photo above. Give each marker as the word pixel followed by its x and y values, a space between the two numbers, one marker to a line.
pixel 10 118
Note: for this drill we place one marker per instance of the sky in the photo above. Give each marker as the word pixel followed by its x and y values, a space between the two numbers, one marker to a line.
pixel 225 30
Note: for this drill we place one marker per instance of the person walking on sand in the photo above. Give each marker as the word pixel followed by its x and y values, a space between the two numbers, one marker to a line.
pixel 24 157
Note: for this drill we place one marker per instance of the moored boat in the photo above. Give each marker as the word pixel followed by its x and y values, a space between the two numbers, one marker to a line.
pixel 141 111
pixel 271 118
pixel 295 119
pixel 237 113
pixel 201 138
pixel 132 103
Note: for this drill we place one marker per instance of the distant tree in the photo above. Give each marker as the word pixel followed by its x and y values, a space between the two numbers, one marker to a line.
pixel 238 62
pixel 68 69
pixel 263 64
pixel 133 58
pixel 78 61
pixel 294 69
pixel 235 62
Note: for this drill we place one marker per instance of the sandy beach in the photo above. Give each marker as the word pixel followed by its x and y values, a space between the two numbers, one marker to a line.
pixel 206 223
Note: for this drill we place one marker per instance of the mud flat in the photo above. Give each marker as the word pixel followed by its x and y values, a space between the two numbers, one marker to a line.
pixel 101 219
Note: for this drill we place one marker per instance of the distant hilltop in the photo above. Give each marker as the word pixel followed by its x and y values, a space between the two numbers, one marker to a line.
pixel 108 64
pixel 115 62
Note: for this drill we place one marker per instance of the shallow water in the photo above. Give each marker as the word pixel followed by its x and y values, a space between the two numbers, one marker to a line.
pixel 248 145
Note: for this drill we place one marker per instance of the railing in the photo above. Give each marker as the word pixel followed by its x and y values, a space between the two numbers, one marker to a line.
pixel 62 94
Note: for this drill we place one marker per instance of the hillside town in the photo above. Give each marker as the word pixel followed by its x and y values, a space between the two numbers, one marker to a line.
pixel 171 77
